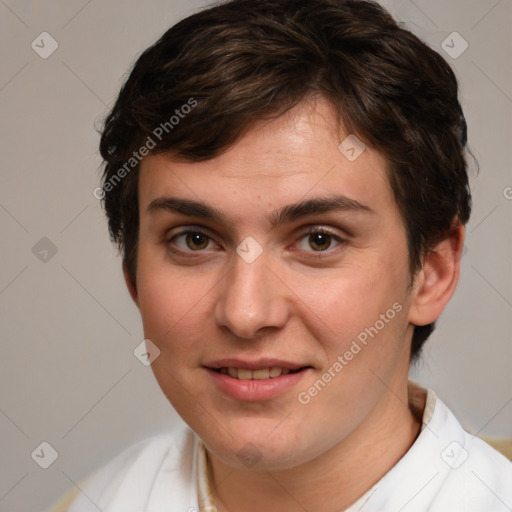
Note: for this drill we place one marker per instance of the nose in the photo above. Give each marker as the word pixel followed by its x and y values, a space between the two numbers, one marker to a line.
pixel 252 299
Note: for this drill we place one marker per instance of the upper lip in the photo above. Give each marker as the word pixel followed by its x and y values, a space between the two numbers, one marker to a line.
pixel 257 364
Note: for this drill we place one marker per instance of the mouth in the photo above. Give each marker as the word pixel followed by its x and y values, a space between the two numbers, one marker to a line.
pixel 260 374
pixel 256 381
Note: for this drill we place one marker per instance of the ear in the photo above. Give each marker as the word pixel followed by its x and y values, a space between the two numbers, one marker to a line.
pixel 435 283
pixel 132 288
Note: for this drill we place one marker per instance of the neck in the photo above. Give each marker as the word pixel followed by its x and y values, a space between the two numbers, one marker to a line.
pixel 331 482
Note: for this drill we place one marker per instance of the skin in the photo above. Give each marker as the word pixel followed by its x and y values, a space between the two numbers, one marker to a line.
pixel 207 303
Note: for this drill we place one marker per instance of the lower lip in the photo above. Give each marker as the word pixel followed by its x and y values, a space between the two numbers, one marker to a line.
pixel 255 390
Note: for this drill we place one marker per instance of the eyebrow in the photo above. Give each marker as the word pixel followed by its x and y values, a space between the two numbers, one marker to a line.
pixel 288 213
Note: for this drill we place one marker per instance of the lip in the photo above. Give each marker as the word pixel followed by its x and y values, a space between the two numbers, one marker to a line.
pixel 255 390
pixel 258 364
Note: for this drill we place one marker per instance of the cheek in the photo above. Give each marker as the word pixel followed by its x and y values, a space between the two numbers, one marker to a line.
pixel 171 301
pixel 342 303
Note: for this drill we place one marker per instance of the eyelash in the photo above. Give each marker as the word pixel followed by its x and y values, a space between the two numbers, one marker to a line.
pixel 313 231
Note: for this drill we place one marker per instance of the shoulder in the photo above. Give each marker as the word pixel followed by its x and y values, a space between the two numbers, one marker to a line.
pixel 477 475
pixel 129 480
pixel 446 468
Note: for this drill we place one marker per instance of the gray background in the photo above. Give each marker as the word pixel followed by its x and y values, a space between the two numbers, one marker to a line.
pixel 68 375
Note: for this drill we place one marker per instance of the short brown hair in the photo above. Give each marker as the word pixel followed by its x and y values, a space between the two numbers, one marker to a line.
pixel 241 61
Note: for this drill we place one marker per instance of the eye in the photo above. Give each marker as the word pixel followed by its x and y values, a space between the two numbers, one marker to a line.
pixel 320 240
pixel 190 241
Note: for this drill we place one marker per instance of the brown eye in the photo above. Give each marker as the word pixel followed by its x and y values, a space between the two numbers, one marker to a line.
pixel 190 241
pixel 320 241
pixel 196 241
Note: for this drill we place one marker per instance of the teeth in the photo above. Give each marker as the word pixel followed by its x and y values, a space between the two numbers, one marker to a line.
pixel 275 371
pixel 261 374
pixel 246 374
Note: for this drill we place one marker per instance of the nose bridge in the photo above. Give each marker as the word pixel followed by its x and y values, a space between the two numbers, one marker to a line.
pixel 250 298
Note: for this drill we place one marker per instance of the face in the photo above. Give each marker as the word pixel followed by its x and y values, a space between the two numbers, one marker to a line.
pixel 274 280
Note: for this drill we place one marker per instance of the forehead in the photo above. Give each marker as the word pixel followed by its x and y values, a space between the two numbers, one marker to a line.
pixel 300 155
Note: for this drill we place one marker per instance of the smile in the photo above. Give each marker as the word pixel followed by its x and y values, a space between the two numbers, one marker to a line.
pixel 256 381
pixel 261 374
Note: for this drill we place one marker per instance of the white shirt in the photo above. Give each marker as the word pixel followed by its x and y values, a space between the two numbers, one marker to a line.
pixel 445 470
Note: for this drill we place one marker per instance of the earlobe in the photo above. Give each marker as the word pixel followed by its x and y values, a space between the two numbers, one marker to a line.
pixel 130 285
pixel 435 283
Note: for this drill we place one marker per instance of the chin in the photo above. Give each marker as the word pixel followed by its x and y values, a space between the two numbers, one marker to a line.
pixel 253 448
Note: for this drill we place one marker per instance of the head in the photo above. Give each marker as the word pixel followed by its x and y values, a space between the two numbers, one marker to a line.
pixel 241 110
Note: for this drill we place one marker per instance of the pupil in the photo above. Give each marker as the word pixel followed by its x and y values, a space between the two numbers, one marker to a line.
pixel 320 240
pixel 196 241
